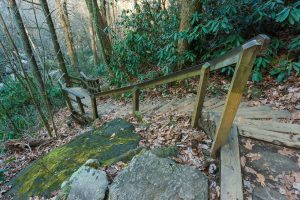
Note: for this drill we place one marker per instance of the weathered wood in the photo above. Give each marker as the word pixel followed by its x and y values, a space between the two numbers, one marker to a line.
pixel 209 122
pixel 80 105
pixel 74 92
pixel 270 125
pixel 198 105
pixel 278 138
pixel 231 178
pixel 94 107
pixel 261 114
pixel 240 77
pixel 135 100
pixel 227 59
pixel 75 101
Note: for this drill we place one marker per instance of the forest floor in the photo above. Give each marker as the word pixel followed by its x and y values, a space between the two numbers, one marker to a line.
pixel 172 127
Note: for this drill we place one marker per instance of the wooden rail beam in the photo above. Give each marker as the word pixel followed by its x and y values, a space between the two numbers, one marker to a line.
pixel 204 75
pixel 239 81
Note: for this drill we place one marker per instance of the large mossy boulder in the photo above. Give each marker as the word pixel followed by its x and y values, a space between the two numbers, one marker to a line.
pixel 47 173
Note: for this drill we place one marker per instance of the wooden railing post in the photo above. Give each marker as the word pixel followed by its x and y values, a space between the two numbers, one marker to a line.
pixel 135 99
pixel 94 107
pixel 80 105
pixel 204 75
pixel 239 81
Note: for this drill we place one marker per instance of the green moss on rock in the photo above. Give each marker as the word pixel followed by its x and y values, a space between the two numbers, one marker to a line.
pixel 46 174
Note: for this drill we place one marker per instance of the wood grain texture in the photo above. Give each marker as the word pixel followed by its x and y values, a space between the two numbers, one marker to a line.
pixel 239 81
pixel 198 104
pixel 231 177
pixel 278 138
pixel 135 100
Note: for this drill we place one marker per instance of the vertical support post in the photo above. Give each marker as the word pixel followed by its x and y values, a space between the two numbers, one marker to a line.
pixel 203 82
pixel 238 83
pixel 80 105
pixel 135 99
pixel 94 107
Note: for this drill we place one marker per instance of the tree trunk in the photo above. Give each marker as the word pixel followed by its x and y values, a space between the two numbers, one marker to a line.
pixel 64 20
pixel 27 85
pixel 188 8
pixel 100 24
pixel 94 42
pixel 30 55
pixel 57 49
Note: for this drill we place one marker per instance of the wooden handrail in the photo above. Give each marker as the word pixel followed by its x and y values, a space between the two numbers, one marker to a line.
pixel 76 94
pixel 227 59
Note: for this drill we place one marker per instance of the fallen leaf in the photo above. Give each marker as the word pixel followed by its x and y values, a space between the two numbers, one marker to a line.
pixel 286 152
pixel 248 145
pixel 218 191
pixel 296 175
pixel 253 156
pixel 250 170
pixel 261 179
pixel 296 116
pixel 243 161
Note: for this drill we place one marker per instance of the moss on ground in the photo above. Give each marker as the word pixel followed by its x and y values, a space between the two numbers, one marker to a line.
pixel 46 174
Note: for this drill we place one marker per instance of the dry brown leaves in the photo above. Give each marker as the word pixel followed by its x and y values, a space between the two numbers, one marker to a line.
pixel 168 129
pixel 248 145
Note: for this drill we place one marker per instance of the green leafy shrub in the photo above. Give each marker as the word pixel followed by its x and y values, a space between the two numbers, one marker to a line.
pixel 151 37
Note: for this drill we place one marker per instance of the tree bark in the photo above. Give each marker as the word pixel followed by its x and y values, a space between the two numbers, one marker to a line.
pixel 187 9
pixel 29 53
pixel 94 42
pixel 64 20
pixel 100 24
pixel 57 48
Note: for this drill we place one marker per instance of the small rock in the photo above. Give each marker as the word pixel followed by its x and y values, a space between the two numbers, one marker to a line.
pixel 87 183
pixel 274 162
pixel 212 168
pixel 296 186
pixel 266 193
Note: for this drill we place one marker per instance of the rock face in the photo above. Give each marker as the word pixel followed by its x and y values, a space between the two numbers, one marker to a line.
pixel 150 177
pixel 87 183
pixel 275 163
pixel 265 193
pixel 46 174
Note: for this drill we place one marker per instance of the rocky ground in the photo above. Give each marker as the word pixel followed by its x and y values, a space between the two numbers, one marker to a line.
pixel 263 176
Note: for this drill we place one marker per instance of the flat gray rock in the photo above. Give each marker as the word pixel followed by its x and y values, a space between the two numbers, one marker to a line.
pixel 266 193
pixel 87 183
pixel 149 177
pixel 274 162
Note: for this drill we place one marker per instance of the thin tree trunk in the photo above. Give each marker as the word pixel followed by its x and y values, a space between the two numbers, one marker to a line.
pixel 30 55
pixel 93 39
pixel 9 117
pixel 100 24
pixel 187 9
pixel 64 20
pixel 27 82
pixel 57 48
pixel 94 43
